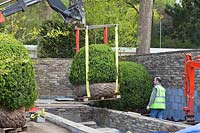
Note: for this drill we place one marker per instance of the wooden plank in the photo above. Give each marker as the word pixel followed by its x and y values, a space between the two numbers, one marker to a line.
pixel 9 130
pixel 64 99
pixel 14 130
pixel 86 99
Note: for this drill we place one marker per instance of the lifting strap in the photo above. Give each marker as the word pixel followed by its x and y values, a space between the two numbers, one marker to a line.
pixel 87 58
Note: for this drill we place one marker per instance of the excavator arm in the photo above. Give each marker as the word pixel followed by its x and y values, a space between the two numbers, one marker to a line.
pixel 189 76
pixel 74 13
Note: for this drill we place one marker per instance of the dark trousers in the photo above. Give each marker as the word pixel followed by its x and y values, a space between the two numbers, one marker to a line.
pixel 157 113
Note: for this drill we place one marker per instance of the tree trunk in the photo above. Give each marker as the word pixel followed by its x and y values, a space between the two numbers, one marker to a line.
pixel 144 26
pixel 12 119
pixel 98 90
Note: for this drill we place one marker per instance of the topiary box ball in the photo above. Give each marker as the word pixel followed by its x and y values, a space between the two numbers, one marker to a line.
pixel 102 66
pixel 17 79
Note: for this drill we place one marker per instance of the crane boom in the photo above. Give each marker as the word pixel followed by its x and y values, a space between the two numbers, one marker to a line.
pixel 74 13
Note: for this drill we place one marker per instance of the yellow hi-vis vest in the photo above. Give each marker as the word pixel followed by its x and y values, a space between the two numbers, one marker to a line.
pixel 159 102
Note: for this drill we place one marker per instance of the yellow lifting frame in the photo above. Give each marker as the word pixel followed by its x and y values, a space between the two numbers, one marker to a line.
pixel 87 55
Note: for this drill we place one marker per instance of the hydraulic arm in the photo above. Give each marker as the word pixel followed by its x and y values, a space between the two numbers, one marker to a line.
pixel 74 13
pixel 189 73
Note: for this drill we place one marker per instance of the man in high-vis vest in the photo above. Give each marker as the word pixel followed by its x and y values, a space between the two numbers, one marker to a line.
pixel 157 100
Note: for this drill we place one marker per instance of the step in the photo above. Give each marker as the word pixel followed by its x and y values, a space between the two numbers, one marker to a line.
pixel 92 124
pixel 108 130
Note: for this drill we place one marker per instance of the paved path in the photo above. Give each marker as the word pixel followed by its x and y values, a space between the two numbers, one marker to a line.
pixel 46 127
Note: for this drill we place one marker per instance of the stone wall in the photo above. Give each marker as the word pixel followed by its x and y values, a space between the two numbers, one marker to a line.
pixel 136 123
pixel 123 121
pixel 169 66
pixel 52 74
pixel 74 113
pixel 52 77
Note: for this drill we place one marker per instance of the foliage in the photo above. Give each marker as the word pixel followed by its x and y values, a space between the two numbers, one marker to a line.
pixel 113 12
pixel 167 42
pixel 135 88
pixel 102 67
pixel 25 25
pixel 161 4
pixel 17 81
pixel 186 21
pixel 8 39
pixel 156 16
pixel 57 40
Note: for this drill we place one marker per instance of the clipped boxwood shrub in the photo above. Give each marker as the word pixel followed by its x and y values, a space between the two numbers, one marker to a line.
pixel 135 85
pixel 17 81
pixel 102 68
pixel 135 88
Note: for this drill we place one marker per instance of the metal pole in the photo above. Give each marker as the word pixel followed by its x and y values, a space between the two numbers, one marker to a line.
pixel 116 56
pixel 77 39
pixel 160 34
pixel 87 62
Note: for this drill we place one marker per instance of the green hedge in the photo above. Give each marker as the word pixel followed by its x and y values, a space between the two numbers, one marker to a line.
pixel 17 81
pixel 135 88
pixel 102 66
pixel 57 40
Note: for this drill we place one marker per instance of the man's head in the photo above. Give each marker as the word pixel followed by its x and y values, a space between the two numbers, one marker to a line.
pixel 157 80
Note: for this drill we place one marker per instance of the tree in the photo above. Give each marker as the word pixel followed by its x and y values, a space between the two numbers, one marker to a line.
pixel 25 25
pixel 161 4
pixel 133 4
pixel 144 26
pixel 113 12
pixel 186 20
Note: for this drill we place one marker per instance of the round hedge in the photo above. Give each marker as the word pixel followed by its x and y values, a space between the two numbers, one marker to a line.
pixel 17 80
pixel 135 88
pixel 102 68
pixel 135 85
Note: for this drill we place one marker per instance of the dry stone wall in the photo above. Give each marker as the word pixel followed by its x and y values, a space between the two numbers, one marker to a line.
pixel 122 121
pixel 169 66
pixel 52 77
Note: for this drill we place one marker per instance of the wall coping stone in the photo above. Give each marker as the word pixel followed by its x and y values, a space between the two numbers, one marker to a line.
pixel 72 126
pixel 172 52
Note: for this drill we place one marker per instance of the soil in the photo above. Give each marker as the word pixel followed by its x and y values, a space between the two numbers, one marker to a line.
pixel 46 127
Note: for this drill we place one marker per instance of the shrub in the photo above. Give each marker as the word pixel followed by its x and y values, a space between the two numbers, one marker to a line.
pixel 135 88
pixel 17 81
pixel 8 39
pixel 135 85
pixel 102 68
pixel 57 40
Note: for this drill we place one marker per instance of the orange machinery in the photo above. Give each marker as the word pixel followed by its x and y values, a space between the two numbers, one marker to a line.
pixel 189 74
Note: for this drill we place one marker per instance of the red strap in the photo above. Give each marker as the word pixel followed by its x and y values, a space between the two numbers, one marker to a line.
pixel 2 18
pixel 34 109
